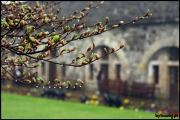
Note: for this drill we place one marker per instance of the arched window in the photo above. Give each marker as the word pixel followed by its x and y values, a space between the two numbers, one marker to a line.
pixel 52 72
pixel 63 70
pixel 118 71
pixel 91 71
pixel 43 67
pixel 173 53
pixel 156 74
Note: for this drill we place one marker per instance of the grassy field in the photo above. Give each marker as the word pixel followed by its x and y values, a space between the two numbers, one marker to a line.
pixel 17 106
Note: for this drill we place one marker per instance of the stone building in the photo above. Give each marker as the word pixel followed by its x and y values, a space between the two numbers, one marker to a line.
pixel 151 52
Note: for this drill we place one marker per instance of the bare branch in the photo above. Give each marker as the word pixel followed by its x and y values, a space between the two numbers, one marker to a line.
pixel 35 32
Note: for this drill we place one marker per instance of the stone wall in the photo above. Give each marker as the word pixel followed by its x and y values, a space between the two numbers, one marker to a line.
pixel 142 40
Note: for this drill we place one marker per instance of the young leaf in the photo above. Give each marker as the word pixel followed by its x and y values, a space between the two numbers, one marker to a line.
pixel 105 51
pixel 91 57
pixel 97 57
pixel 83 54
pixel 107 20
pixel 57 80
pixel 27 81
pixel 69 83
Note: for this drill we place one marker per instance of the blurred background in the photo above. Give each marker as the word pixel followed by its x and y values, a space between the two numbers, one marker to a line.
pixel 144 73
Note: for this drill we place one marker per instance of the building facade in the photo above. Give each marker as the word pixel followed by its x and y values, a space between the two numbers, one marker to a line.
pixel 151 52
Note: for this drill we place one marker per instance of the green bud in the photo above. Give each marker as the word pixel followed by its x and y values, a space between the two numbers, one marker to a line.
pixel 24 72
pixel 26 17
pixel 27 65
pixel 68 82
pixel 86 59
pixel 20 60
pixel 67 28
pixel 6 57
pixel 31 16
pixel 46 32
pixel 28 81
pixel 105 49
pixel 53 33
pixel 75 35
pixel 56 80
pixel 46 46
pixel 107 20
pixel 29 28
pixel 39 79
pixel 56 38
pixel 79 80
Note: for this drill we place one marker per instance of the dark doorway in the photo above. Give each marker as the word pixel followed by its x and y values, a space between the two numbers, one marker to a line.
pixel 104 67
pixel 173 70
pixel 156 74
pixel 104 82
pixel 118 71
pixel 52 72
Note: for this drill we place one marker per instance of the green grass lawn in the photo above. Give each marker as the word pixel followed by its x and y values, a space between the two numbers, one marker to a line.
pixel 18 106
